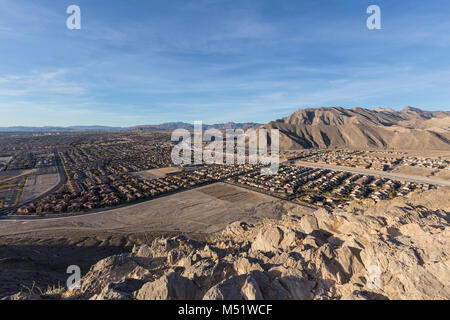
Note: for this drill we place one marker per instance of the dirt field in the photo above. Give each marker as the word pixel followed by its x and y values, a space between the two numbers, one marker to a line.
pixel 11 174
pixel 424 172
pixel 429 154
pixel 156 173
pixel 413 153
pixel 206 209
pixel 37 185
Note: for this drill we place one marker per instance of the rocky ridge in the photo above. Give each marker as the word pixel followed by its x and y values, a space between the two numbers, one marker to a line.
pixel 398 249
pixel 410 128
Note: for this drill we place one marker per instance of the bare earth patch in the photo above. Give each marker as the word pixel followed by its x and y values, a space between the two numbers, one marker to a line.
pixel 424 172
pixel 156 173
pixel 37 185
pixel 206 209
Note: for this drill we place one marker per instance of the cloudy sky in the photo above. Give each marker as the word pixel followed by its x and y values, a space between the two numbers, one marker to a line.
pixel 144 62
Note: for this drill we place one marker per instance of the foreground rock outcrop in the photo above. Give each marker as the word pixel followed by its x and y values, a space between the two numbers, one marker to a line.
pixel 397 249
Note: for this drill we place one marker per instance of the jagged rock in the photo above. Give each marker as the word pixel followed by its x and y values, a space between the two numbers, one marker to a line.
pixel 174 256
pixel 224 244
pixel 309 242
pixel 200 272
pixel 169 287
pixel 144 251
pixel 411 229
pixel 161 246
pixel 250 290
pixel 401 272
pixel 350 261
pixel 290 239
pixel 337 266
pixel 296 288
pixel 276 272
pixel 207 252
pixel 355 295
pixel 323 218
pixel 116 291
pixel 222 270
pixel 308 224
pixel 228 289
pixel 108 270
pixel 140 273
pixel 236 228
pixel 244 265
pixel 268 239
pixel 288 259
pixel 273 238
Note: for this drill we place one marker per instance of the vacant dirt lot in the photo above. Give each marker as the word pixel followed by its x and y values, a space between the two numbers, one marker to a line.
pixel 11 174
pixel 424 172
pixel 156 173
pixel 37 185
pixel 206 209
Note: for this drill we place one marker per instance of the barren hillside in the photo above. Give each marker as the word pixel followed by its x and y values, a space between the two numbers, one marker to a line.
pixel 410 128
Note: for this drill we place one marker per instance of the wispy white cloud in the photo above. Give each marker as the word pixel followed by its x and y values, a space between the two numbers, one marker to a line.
pixel 40 82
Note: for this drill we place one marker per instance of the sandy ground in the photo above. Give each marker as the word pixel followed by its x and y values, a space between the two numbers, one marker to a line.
pixel 37 185
pixel 412 153
pixel 156 173
pixel 429 153
pixel 206 209
pixel 40 251
pixel 424 172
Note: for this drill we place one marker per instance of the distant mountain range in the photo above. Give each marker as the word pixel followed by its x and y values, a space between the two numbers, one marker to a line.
pixel 58 129
pixel 410 128
pixel 169 126
pixel 183 125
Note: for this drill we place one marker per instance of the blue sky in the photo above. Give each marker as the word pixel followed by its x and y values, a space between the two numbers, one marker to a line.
pixel 145 62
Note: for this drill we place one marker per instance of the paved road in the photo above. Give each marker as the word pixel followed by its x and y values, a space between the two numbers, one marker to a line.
pixel 384 174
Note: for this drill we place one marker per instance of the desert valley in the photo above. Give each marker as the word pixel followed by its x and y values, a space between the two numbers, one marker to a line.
pixel 359 209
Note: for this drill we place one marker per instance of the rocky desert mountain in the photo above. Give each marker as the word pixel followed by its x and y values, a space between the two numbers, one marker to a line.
pixel 410 128
pixel 398 249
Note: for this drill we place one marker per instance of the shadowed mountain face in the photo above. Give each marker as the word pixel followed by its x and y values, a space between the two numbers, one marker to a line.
pixel 410 128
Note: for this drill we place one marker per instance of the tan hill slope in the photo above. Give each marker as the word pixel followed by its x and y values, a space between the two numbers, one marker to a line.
pixel 397 249
pixel 410 128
